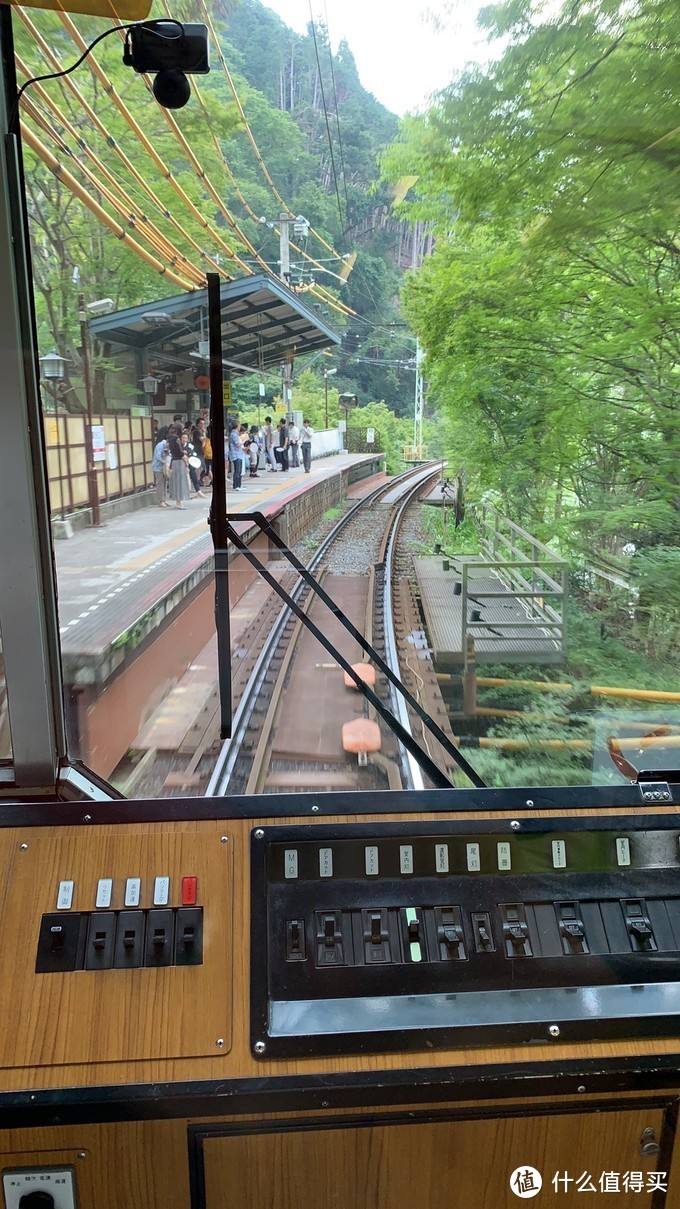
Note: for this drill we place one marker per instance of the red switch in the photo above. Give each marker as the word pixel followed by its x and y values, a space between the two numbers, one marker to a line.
pixel 189 891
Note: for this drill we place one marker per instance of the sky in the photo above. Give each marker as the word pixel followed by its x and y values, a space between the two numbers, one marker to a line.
pixel 404 50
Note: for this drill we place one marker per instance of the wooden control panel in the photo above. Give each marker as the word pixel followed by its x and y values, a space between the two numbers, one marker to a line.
pixel 145 1079
pixel 56 880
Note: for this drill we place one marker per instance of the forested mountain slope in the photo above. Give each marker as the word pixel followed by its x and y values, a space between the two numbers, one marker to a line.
pixel 195 203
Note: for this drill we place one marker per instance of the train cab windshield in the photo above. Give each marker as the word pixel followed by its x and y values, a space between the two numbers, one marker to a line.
pixel 339 604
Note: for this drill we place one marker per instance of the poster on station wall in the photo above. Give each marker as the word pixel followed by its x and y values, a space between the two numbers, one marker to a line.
pixel 123 10
pixel 98 443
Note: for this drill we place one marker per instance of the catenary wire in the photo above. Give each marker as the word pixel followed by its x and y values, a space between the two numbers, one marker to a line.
pixel 67 178
pixel 97 123
pixel 101 75
pixel 325 114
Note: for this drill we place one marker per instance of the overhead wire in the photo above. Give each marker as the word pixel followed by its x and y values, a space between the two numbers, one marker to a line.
pixel 101 75
pixel 62 174
pixel 197 166
pixel 239 193
pixel 251 137
pixel 113 144
pixel 337 119
pixel 195 276
pixel 321 292
pixel 325 114
pixel 132 212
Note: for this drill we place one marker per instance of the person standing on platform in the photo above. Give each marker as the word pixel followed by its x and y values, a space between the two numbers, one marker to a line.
pixel 235 451
pixel 281 450
pixel 207 458
pixel 179 464
pixel 269 437
pixel 160 472
pixel 293 439
pixel 306 444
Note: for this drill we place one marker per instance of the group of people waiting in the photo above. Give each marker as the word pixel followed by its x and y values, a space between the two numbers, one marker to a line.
pixel 182 463
pixel 280 447
pixel 183 456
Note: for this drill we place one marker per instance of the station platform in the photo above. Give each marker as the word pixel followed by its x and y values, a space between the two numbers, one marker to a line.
pixel 137 592
pixel 443 612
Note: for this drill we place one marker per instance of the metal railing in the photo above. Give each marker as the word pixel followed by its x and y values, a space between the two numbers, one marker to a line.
pixel 526 569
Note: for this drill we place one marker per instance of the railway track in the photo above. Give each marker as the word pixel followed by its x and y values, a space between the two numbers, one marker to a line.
pixel 286 732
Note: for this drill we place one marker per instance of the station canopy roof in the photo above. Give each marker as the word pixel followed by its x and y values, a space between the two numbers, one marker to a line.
pixel 263 324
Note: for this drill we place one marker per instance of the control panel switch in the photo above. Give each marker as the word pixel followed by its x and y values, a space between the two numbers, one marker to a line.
pixel 100 941
pixel 129 950
pixel 571 928
pixel 39 1188
pixel 60 943
pixel 189 936
pixel 159 947
pixel 413 934
pixel 516 931
pixel 330 950
pixel 296 949
pixel 638 925
pixel 449 927
pixel 376 937
pixel 481 930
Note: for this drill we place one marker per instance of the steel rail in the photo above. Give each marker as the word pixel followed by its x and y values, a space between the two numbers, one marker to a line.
pixel 218 784
pixel 411 772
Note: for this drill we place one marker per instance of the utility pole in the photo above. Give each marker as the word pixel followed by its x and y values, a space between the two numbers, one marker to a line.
pixel 284 248
pixel 326 375
pixel 92 488
pixel 418 410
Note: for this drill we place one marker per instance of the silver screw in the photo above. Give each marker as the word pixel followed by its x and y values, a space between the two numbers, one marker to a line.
pixel 220 1042
pixel 224 839
pixel 315 809
pixel 515 825
pixel 529 802
pixel 554 1030
pixel 581 1087
pixel 648 797
pixel 666 796
pixel 87 818
pixel 324 1103
pixel 82 1154
pixel 259 833
pixel 259 1047
pixel 23 847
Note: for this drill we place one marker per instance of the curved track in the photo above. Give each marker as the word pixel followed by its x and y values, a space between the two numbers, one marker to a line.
pixel 248 762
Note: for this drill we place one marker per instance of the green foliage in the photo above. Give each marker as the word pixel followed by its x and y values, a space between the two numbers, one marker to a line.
pixel 549 310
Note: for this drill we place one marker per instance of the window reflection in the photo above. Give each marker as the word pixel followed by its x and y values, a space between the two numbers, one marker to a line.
pixel 5 735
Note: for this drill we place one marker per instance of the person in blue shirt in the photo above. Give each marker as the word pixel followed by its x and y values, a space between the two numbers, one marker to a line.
pixel 159 467
pixel 235 451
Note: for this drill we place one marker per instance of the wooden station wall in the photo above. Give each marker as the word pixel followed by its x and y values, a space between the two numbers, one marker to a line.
pixel 126 1028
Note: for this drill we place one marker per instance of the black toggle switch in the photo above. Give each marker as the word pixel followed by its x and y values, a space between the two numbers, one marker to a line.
pixel 516 931
pixel 61 943
pixel 129 951
pixel 413 934
pixel 100 941
pixel 160 932
pixel 189 936
pixel 330 949
pixel 296 949
pixel 481 930
pixel 571 928
pixel 450 939
pixel 376 936
pixel 638 925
